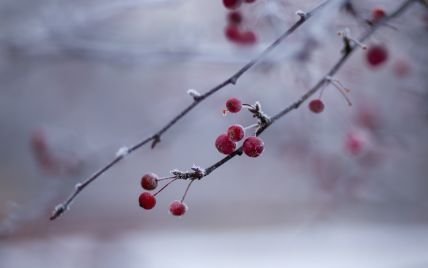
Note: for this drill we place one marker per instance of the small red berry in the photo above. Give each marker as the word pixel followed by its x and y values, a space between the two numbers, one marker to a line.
pixel 177 208
pixel 378 14
pixel 147 200
pixel 236 132
pixel 376 55
pixel 232 32
pixel 149 181
pixel 316 106
pixel 232 4
pixel 233 105
pixel 253 146
pixel 354 143
pixel 234 17
pixel 224 144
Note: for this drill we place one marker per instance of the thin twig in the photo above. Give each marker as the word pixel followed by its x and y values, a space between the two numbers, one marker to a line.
pixel 155 138
pixel 323 81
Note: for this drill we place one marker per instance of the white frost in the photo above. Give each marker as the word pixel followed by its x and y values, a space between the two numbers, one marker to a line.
pixel 122 151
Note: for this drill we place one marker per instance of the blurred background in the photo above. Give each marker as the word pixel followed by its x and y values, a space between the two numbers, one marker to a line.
pixel 344 188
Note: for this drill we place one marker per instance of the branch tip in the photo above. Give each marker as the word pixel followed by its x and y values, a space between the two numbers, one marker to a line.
pixel 302 14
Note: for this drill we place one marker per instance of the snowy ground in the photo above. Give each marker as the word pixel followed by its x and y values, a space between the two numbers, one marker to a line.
pixel 333 245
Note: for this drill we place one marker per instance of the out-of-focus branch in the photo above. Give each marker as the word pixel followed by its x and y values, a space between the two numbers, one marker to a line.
pixel 156 137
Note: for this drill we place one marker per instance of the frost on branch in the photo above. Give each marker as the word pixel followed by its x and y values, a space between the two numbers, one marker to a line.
pixel 194 94
pixel 122 152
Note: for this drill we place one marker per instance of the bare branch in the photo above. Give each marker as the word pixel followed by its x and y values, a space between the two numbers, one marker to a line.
pixel 156 138
pixel 326 79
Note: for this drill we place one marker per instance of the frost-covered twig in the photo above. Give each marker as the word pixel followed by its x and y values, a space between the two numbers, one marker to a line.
pixel 156 137
pixel 326 79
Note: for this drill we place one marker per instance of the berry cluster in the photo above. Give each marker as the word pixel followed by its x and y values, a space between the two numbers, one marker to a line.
pixel 147 200
pixel 235 30
pixel 253 146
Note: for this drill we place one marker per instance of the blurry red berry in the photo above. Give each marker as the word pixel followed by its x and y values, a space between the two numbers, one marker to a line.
pixel 376 55
pixel 247 38
pixel 177 208
pixel 316 106
pixel 224 144
pixel 40 149
pixel 232 32
pixel 354 143
pixel 253 146
pixel 149 181
pixel 232 4
pixel 378 14
pixel 236 132
pixel 234 17
pixel 147 200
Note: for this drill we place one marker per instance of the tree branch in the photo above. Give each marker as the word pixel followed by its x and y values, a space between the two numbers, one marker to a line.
pixel 155 138
pixel 323 81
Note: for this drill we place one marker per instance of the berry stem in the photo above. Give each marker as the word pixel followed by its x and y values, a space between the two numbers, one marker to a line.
pixel 166 185
pixel 342 91
pixel 251 126
pixel 187 190
pixel 341 88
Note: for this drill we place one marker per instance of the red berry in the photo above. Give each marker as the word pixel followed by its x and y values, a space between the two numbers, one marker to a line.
pixel 233 105
pixel 224 145
pixel 177 208
pixel 234 17
pixel 378 14
pixel 253 146
pixel 147 200
pixel 232 32
pixel 236 132
pixel 232 4
pixel 354 143
pixel 316 106
pixel 247 38
pixel 376 55
pixel 149 181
